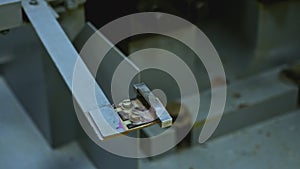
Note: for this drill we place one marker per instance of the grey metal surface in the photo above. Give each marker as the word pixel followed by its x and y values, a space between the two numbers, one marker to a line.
pixel 23 146
pixel 10 14
pixel 242 37
pixel 70 25
pixel 270 144
pixel 37 84
pixel 249 101
pixel 24 72
pixel 282 43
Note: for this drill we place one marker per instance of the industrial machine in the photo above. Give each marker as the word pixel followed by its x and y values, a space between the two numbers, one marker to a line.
pixel 42 115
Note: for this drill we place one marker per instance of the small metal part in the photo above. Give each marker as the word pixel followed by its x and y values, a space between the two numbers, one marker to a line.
pixel 126 104
pixel 135 114
pixel 135 117
pixel 124 116
pixel 154 104
pixel 143 111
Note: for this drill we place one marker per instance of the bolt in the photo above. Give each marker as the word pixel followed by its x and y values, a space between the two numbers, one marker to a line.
pixel 135 118
pixel 126 104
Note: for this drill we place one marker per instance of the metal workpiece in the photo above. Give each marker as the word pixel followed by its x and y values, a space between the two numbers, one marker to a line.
pixel 101 115
pixel 10 14
pixel 155 104
pixel 129 115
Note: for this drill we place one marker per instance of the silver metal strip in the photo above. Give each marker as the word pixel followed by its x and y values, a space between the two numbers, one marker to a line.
pixel 65 57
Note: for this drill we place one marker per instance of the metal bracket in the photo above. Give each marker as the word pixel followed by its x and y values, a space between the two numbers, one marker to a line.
pixel 101 115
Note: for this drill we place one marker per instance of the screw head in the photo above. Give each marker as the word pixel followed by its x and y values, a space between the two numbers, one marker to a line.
pixel 135 118
pixel 126 104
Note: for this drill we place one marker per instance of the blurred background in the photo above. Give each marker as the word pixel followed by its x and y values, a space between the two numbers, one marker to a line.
pixel 258 42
